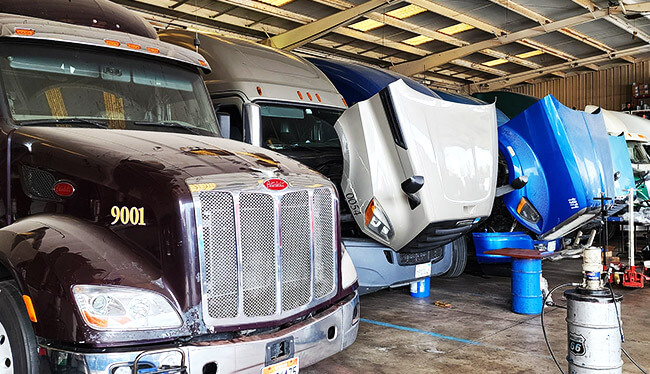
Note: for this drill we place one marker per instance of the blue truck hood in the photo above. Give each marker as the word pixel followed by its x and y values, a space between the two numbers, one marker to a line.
pixel 358 83
pixel 566 155
pixel 463 99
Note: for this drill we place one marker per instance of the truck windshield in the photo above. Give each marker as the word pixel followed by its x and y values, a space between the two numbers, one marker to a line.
pixel 286 126
pixel 638 154
pixel 65 86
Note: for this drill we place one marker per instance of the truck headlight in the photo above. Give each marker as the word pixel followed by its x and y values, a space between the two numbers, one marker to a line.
pixel 377 222
pixel 124 308
pixel 527 211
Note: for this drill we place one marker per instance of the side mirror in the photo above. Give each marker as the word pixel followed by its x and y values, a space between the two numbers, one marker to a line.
pixel 412 186
pixel 517 184
pixel 224 124
pixel 252 117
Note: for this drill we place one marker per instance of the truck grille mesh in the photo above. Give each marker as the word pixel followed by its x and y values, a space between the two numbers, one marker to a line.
pixel 296 250
pixel 258 253
pixel 323 242
pixel 262 255
pixel 218 218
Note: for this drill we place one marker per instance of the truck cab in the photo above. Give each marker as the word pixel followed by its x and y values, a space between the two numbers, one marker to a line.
pixel 636 132
pixel 282 102
pixel 133 237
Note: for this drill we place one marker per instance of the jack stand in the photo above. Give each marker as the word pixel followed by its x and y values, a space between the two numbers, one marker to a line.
pixel 631 278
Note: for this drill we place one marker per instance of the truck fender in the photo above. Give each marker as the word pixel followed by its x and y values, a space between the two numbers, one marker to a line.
pixel 48 254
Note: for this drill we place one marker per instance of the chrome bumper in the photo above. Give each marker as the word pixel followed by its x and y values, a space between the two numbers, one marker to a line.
pixel 312 339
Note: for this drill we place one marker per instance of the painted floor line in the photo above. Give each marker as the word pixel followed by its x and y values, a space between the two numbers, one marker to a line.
pixel 410 329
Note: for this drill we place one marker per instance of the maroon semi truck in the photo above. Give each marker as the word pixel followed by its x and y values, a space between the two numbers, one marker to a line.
pixel 133 238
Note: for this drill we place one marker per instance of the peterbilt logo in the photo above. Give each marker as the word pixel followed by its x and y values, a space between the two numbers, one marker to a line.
pixel 275 184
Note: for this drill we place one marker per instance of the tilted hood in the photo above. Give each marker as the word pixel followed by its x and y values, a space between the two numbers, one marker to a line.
pixel 400 133
pixel 566 156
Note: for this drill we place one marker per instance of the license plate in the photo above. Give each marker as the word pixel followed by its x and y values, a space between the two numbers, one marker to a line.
pixel 289 366
pixel 423 270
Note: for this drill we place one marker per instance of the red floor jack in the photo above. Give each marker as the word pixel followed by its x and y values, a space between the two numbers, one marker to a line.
pixel 630 277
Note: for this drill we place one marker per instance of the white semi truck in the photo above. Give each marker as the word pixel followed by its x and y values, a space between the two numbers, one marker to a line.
pixel 417 172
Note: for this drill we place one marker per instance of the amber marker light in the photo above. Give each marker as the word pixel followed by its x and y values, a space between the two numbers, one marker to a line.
pixel 133 46
pixel 203 63
pixel 299 95
pixel 112 43
pixel 30 308
pixel 309 96
pixel 318 97
pixel 153 50
pixel 344 103
pixel 24 32
pixel 370 210
pixel 259 90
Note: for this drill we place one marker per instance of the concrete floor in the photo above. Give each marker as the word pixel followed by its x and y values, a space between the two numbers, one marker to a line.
pixel 478 334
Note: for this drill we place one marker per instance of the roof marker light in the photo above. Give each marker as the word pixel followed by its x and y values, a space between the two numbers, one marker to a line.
pixel 299 95
pixel 309 96
pixel 24 32
pixel 153 50
pixel 344 103
pixel 259 90
pixel 133 46
pixel 112 43
pixel 203 63
pixel 318 97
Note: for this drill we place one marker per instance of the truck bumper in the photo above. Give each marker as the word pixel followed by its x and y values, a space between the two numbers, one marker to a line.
pixel 312 339
pixel 378 266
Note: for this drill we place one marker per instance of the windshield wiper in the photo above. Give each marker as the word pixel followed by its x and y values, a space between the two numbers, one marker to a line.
pixel 82 121
pixel 175 125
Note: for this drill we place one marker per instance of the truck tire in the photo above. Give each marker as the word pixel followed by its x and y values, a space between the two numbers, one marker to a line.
pixel 458 258
pixel 18 347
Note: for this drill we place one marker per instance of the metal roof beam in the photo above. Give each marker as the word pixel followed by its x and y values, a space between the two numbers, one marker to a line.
pixel 541 19
pixel 499 83
pixel 436 59
pixel 308 32
pixel 436 35
pixel 619 22
pixel 364 36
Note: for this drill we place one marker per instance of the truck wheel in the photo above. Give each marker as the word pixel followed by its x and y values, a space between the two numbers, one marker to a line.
pixel 458 258
pixel 18 348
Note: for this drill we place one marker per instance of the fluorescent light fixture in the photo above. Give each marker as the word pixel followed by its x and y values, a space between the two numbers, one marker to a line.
pixel 455 29
pixel 406 11
pixel 417 40
pixel 536 52
pixel 275 2
pixel 366 25
pixel 498 61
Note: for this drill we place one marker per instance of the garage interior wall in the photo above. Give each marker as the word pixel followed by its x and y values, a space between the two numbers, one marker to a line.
pixel 609 88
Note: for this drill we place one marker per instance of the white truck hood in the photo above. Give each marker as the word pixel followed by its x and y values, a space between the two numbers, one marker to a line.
pixel 453 146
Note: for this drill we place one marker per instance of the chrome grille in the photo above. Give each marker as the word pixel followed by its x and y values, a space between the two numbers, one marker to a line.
pixel 258 253
pixel 218 229
pixel 324 245
pixel 264 253
pixel 295 234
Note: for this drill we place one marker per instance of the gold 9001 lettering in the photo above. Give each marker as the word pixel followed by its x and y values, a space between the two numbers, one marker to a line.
pixel 125 215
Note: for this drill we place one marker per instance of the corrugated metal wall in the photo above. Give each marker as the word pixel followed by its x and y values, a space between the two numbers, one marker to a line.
pixel 610 88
